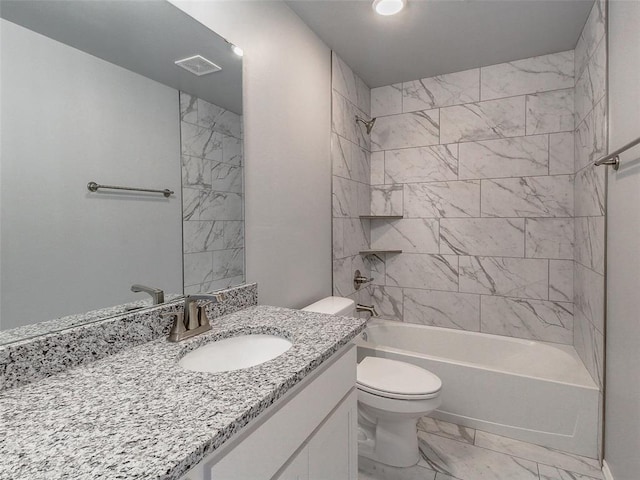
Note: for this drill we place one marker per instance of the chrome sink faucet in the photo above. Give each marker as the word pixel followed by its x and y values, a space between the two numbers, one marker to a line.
pixel 156 294
pixel 193 319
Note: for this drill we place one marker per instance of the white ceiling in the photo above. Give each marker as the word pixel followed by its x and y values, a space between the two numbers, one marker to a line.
pixel 433 37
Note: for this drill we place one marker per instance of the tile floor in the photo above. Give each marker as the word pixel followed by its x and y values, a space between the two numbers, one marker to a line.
pixel 453 452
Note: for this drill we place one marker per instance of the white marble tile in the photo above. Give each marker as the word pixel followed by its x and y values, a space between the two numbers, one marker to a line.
pixel 343 276
pixel 561 280
pixel 528 197
pixel 417 129
pixel 225 177
pixel 561 150
pixel 483 121
pixel 530 319
pixel 423 164
pixel 388 301
pixel 446 429
pixel 591 137
pixel 377 168
pixel 482 236
pixel 360 166
pixel 200 142
pixel 442 199
pixel 196 172
pixel 438 272
pixel 232 151
pixel 202 236
pixel 386 100
pixel 441 91
pixel 343 79
pixel 221 206
pixel 550 112
pixel 218 119
pixel 513 277
pixel 198 268
pixel 343 118
pixel 191 199
pixel 188 108
pixel 536 453
pixel 371 470
pixel 387 200
pixel 345 201
pixel 552 473
pixel 591 86
pixel 590 192
pixel 464 461
pixel 549 238
pixel 337 237
pixel 442 309
pixel 363 192
pixel 363 96
pixel 411 235
pixel 589 343
pixel 530 75
pixel 340 156
pixel 589 294
pixel 589 238
pixel 375 264
pixel 214 285
pixel 233 234
pixel 228 263
pixel 590 37
pixel 508 157
pixel 356 236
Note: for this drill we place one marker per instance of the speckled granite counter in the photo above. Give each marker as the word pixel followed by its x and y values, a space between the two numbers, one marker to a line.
pixel 138 415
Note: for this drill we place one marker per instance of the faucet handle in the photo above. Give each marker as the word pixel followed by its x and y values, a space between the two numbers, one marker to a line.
pixel 202 314
pixel 178 329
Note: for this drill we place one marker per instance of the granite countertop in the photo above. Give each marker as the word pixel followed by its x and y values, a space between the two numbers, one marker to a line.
pixel 138 415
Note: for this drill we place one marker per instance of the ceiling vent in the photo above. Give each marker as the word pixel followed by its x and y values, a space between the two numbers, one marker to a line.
pixel 198 65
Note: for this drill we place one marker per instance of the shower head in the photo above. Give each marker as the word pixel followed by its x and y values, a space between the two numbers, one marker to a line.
pixel 369 125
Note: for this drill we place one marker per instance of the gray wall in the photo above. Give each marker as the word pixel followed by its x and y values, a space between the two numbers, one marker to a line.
pixel 622 416
pixel 287 108
pixel 69 118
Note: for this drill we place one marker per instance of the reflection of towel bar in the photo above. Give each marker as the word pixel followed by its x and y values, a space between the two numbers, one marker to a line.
pixel 613 158
pixel 93 187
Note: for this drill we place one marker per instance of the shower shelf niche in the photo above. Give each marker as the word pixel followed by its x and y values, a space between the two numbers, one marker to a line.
pixel 377 252
pixel 381 217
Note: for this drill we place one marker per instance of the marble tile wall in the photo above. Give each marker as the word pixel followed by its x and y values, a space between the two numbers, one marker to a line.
pixel 589 194
pixel 212 192
pixel 351 172
pixel 480 164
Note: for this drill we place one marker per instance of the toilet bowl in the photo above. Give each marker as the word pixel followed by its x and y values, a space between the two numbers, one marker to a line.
pixel 392 396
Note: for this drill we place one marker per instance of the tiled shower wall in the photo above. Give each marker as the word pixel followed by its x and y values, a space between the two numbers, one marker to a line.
pixel 212 192
pixel 590 195
pixel 480 163
pixel 350 159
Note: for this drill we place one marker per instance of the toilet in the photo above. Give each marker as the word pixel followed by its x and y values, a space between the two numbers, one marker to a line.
pixel 392 396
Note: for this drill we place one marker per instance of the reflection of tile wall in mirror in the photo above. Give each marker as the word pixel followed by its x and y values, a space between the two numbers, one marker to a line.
pixel 212 173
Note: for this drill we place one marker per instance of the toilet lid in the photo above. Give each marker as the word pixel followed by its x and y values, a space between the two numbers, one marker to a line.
pixel 394 379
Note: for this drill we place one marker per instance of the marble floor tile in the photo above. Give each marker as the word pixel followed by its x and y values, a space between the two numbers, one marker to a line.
pixel 552 473
pixel 371 470
pixel 468 462
pixel 446 429
pixel 536 453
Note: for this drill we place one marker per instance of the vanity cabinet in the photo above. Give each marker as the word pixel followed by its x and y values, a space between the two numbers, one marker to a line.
pixel 309 434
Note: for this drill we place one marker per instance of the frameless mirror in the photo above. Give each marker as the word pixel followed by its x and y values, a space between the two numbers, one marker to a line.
pixel 91 92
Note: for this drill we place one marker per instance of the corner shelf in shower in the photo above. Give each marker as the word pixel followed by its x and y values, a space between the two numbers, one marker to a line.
pixel 381 217
pixel 377 252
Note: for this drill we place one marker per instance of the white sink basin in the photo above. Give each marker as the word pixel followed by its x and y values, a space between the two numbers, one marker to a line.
pixel 235 353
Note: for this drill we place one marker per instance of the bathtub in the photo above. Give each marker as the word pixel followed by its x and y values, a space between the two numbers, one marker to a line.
pixel 532 391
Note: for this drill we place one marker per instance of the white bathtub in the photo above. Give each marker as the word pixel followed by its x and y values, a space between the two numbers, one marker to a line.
pixel 532 391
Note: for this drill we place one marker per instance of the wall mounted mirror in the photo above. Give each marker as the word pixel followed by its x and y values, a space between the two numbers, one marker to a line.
pixel 90 92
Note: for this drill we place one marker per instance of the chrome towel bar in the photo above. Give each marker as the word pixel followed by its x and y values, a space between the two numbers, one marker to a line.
pixel 613 158
pixel 93 187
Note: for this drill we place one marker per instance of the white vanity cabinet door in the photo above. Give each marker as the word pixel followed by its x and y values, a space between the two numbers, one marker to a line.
pixel 333 450
pixel 298 468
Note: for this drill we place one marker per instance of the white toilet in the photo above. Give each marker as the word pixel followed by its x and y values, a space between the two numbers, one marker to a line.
pixel 392 396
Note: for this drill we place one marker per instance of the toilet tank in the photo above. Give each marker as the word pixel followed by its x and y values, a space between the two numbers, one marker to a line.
pixel 340 306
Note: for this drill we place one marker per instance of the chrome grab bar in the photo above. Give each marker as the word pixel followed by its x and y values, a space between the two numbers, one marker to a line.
pixel 613 159
pixel 93 187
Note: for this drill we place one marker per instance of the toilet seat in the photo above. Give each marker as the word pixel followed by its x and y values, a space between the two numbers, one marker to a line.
pixel 396 380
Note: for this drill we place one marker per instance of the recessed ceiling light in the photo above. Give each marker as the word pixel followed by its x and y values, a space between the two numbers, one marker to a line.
pixel 237 50
pixel 388 7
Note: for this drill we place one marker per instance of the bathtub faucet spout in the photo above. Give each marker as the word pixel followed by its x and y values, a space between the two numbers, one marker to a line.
pixel 367 308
